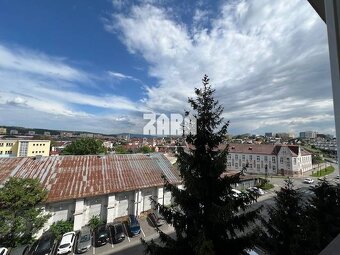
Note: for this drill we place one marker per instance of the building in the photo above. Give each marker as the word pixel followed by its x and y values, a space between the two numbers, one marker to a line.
pixel 24 148
pixel 269 134
pixel 13 132
pixel 112 186
pixel 31 132
pixel 308 134
pixel 47 133
pixel 271 159
pixel 3 131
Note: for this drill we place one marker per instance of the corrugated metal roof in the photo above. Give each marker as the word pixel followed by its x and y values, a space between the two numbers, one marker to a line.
pixel 70 177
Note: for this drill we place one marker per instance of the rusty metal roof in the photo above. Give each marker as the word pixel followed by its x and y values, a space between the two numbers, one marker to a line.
pixel 71 177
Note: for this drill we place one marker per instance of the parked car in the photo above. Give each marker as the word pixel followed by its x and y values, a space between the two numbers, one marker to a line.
pixel 101 235
pixel 236 192
pixel 84 240
pixel 20 250
pixel 256 190
pixel 66 243
pixel 134 225
pixel 3 251
pixel 117 232
pixel 156 218
pixel 43 245
pixel 308 180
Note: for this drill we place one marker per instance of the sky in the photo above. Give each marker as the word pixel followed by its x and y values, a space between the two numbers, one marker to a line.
pixel 98 66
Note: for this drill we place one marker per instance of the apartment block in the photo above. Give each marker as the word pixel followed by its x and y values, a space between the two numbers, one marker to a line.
pixel 3 131
pixel 24 148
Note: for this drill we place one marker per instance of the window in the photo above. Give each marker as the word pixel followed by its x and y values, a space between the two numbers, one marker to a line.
pixel 261 164
pixel 258 158
pixel 229 156
pixel 0 152
pixel 43 151
pixel 250 165
pixel 232 162
pixel 274 168
pixel 32 152
pixel 273 159
pixel 33 144
pixel 265 158
pixel 250 157
pixel 236 165
pixel 258 167
pixel 294 161
pixel 236 157
pixel 243 164
pixel 281 160
pixel 270 164
pixel 243 157
pixel 228 164
pixel 1 144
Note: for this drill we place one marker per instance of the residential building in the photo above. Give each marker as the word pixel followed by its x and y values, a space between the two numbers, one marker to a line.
pixel 271 159
pixel 46 133
pixel 308 134
pixel 31 132
pixel 110 187
pixel 3 131
pixel 13 132
pixel 269 134
pixel 24 148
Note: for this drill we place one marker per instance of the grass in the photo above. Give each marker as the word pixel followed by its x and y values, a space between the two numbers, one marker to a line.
pixel 267 186
pixel 323 172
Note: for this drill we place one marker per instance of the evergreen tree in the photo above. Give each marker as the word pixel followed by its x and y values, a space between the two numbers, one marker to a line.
pixel 288 224
pixel 207 216
pixel 325 211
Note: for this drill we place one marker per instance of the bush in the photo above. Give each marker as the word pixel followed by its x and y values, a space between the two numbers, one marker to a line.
pixel 61 227
pixel 94 222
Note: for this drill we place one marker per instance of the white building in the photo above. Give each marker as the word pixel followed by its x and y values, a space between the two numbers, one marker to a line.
pixel 110 187
pixel 271 159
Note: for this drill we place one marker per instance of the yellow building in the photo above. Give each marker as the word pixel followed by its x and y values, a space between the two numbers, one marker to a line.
pixel 24 148
pixel 3 131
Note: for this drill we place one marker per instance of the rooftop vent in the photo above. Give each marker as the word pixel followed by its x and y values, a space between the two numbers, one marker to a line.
pixel 232 147
pixel 250 148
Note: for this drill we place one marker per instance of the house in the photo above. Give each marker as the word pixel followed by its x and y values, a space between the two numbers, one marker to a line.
pixel 110 187
pixel 271 159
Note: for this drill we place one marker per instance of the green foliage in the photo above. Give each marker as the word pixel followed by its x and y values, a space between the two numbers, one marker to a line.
pixel 325 212
pixel 207 217
pixel 285 229
pixel 145 149
pixel 85 146
pixel 61 227
pixel 119 149
pixel 20 214
pixel 323 172
pixel 317 159
pixel 94 222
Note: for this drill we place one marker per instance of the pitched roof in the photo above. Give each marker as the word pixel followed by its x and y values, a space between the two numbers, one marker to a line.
pixel 266 149
pixel 70 177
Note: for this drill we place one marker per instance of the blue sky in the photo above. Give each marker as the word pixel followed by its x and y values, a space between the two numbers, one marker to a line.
pixel 99 65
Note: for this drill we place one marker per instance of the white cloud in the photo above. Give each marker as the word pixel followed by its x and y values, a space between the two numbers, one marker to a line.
pixel 267 59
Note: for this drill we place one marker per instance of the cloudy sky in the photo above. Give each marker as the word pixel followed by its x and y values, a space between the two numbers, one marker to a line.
pixel 99 65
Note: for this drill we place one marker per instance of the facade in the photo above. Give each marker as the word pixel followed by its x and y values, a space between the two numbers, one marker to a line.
pixel 13 132
pixel 24 148
pixel 80 187
pixel 308 134
pixel 269 159
pixel 3 131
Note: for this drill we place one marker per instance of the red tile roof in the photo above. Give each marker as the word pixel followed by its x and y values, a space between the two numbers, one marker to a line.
pixel 70 177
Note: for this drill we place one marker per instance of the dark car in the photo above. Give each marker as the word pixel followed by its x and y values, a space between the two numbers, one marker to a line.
pixel 134 226
pixel 101 235
pixel 117 232
pixel 84 240
pixel 20 250
pixel 156 218
pixel 43 245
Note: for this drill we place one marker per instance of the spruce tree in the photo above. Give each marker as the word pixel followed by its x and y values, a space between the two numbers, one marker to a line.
pixel 288 224
pixel 325 212
pixel 207 216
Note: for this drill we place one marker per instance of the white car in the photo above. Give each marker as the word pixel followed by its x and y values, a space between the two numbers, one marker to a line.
pixel 66 243
pixel 236 192
pixel 3 251
pixel 308 180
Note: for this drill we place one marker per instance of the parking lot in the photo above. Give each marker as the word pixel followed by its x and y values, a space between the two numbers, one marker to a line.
pixel 148 232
